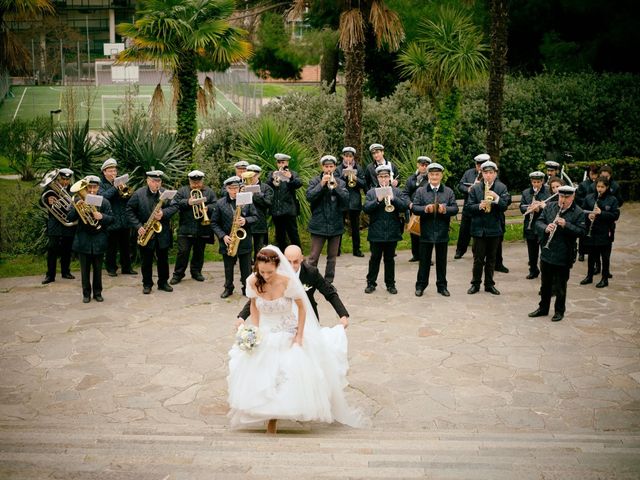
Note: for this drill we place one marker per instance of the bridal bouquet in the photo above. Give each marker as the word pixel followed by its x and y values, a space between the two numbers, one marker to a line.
pixel 248 337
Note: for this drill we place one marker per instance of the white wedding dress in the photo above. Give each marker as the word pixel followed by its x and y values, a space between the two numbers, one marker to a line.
pixel 278 380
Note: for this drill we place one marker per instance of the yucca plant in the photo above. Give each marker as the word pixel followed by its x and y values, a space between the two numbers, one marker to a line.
pixel 73 147
pixel 24 142
pixel 269 137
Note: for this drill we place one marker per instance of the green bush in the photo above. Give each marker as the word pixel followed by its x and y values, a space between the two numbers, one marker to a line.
pixel 23 142
pixel 22 223
pixel 626 172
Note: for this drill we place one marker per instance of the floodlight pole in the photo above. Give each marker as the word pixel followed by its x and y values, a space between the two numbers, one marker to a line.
pixel 51 114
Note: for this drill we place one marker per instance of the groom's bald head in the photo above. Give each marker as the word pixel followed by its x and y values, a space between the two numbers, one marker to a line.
pixel 293 253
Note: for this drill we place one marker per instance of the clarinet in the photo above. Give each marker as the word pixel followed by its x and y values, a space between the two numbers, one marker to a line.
pixel 594 220
pixel 555 222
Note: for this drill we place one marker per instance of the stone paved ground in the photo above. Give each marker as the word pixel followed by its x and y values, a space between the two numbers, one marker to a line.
pixel 459 387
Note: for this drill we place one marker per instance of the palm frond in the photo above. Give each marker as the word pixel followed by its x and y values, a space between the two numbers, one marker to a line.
pixel 387 26
pixel 351 29
pixel 203 106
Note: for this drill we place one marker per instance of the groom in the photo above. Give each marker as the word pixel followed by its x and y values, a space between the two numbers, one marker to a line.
pixel 312 280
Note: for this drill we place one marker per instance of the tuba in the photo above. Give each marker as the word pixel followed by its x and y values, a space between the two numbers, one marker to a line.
pixel 237 233
pixel 85 211
pixel 199 209
pixel 63 202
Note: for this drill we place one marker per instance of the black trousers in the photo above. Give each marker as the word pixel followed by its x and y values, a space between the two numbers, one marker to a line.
pixel 185 245
pixel 259 241
pixel 426 250
pixel 499 259
pixel 118 240
pixel 415 246
pixel 354 221
pixel 87 262
pixel 245 269
pixel 484 258
pixel 333 244
pixel 554 280
pixel 162 257
pixel 597 252
pixel 533 250
pixel 464 235
pixel 59 246
pixel 378 250
pixel 286 226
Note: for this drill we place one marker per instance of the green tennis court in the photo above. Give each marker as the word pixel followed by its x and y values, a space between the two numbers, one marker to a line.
pixel 102 102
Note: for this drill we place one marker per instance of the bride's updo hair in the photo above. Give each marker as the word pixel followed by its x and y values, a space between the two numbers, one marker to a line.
pixel 265 255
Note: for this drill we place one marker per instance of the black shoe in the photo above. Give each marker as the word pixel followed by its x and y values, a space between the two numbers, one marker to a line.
pixel 610 276
pixel 358 254
pixel 146 290
pixel 165 287
pixel 492 290
pixel 602 283
pixel 392 290
pixel 473 289
pixel 369 289
pixel 130 272
pixel 414 259
pixel 581 257
pixel 586 280
pixel 86 299
pixel 112 273
pixel 68 276
pixel 198 277
pixel 458 255
pixel 419 292
pixel 538 313
pixel 48 280
pixel 532 275
pixel 174 280
pixel 444 292
pixel 502 269
pixel 227 293
pixel 557 317
pixel 98 298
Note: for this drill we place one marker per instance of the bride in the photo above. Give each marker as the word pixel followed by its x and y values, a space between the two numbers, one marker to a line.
pixel 298 371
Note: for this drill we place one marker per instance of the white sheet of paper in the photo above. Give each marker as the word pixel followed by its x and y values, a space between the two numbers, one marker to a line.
pixel 382 192
pixel 95 200
pixel 168 194
pixel 251 189
pixel 121 180
pixel 244 198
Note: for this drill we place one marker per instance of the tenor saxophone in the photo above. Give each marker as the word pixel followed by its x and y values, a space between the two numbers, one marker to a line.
pixel 151 227
pixel 237 233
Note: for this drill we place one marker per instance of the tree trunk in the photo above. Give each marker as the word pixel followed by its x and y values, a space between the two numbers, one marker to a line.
pixel 354 80
pixel 497 67
pixel 329 65
pixel 187 76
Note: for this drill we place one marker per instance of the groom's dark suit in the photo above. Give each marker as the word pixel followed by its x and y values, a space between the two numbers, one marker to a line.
pixel 312 280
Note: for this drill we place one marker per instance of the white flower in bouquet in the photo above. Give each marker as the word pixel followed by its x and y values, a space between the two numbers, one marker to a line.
pixel 248 337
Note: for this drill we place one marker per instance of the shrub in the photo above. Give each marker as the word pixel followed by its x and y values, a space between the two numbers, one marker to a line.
pixel 626 172
pixel 23 142
pixel 75 148
pixel 22 223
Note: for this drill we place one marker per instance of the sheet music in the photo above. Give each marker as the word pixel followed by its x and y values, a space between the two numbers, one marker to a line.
pixel 244 198
pixel 95 200
pixel 382 192
pixel 168 194
pixel 121 180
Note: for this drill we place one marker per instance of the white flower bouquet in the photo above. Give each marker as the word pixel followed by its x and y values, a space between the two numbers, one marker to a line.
pixel 248 337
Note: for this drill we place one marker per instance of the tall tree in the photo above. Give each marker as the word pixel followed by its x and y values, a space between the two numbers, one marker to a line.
pixel 183 35
pixel 497 66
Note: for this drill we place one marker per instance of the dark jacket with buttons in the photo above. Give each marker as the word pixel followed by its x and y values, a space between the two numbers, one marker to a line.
pixel 371 176
pixel 562 249
pixel 466 182
pixel 327 206
pixel 434 228
pixel 604 223
pixel 118 204
pixel 529 231
pixel 485 224
pixel 139 209
pixel 284 195
pixel 91 240
pixel 385 226
pixel 262 201
pixel 355 193
pixel 189 226
pixel 222 221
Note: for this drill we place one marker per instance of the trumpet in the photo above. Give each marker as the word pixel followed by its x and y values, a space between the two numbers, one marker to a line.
pixel 63 201
pixel 332 183
pixel 277 176
pixel 351 177
pixel 199 209
pixel 85 211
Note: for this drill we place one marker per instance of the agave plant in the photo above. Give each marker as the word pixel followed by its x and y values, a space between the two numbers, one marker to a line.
pixel 75 148
pixel 266 139
pixel 138 150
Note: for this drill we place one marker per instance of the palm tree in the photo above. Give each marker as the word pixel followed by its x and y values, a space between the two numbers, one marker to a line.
pixel 13 56
pixel 449 53
pixel 499 18
pixel 183 35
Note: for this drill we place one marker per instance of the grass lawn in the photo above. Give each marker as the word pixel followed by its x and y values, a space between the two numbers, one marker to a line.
pixel 4 166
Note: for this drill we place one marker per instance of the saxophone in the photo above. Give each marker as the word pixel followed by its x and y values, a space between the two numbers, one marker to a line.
pixel 152 226
pixel 237 233
pixel 487 198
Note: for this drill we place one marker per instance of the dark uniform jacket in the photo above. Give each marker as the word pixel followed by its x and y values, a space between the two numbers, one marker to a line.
pixel 372 177
pixel 562 248
pixel 582 191
pixel 413 183
pixel 434 228
pixel 485 224
pixel 355 193
pixel 54 227
pixel 604 224
pixel 529 230
pixel 118 204
pixel 284 195
pixel 262 201
pixel 466 182
pixel 190 226
pixel 385 226
pixel 327 206
pixel 222 221
pixel 139 209
pixel 614 189
pixel 312 280
pixel 89 239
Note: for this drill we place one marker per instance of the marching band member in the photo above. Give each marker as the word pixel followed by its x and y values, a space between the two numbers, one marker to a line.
pixel 487 202
pixel 222 222
pixel 436 204
pixel 531 204
pixel 284 210
pixel 581 194
pixel 119 231
pixel 553 169
pixel 328 198
pixel 139 209
pixel 262 201
pixel 414 181
pixel 91 242
pixel 558 227
pixel 195 202
pixel 356 183
pixel 385 229
pixel 468 180
pixel 371 175
pixel 60 237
